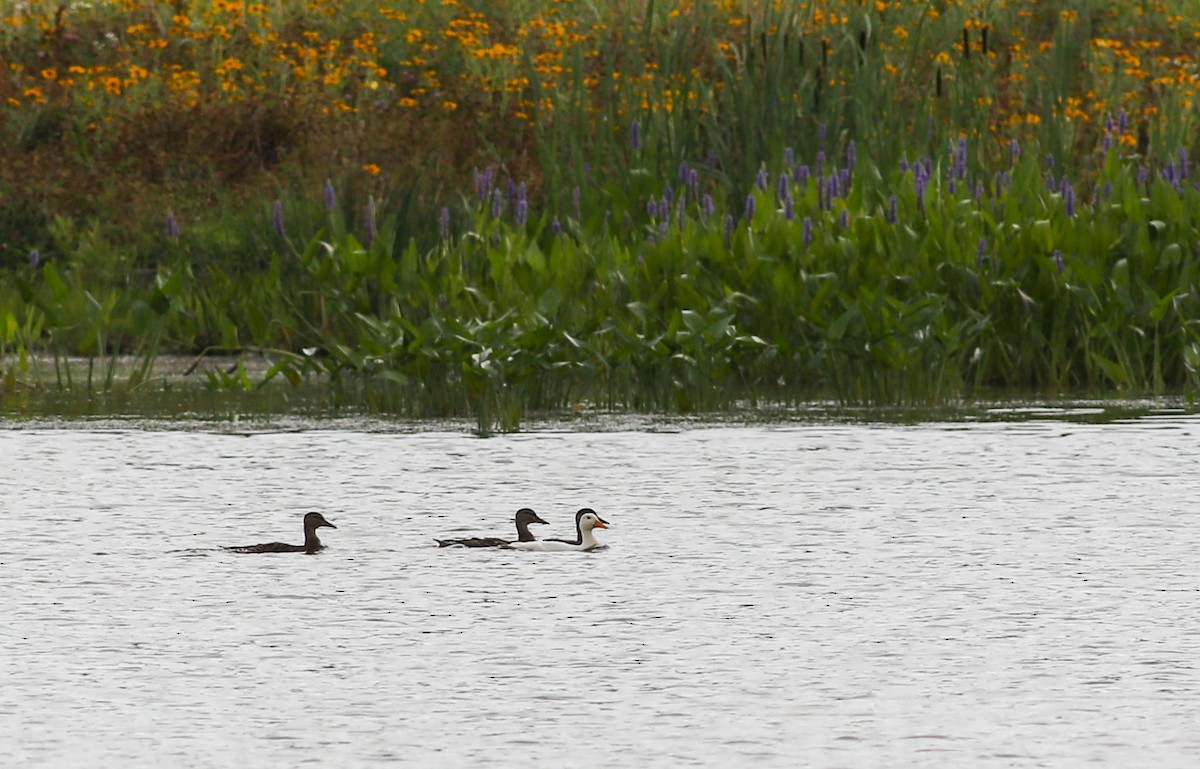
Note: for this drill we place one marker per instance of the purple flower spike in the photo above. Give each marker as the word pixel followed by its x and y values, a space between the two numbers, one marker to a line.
pixel 1069 199
pixel 749 207
pixel 664 208
pixel 783 187
pixel 851 154
pixel 845 218
pixel 685 173
pixel 556 227
pixel 763 179
pixel 444 223
pixel 277 219
pixel 1107 142
pixel 1183 163
pixel 1123 121
pixel 635 135
pixel 35 258
pixel 1049 160
pixel 172 226
pixel 652 207
pixel 694 181
pixel 497 204
pixel 802 176
pixel 789 209
pixel 892 214
pixel 707 205
pixel 522 212
pixel 981 253
pixel 789 157
pixel 729 230
pixel 369 231
pixel 1014 152
pixel 1143 175
pixel 330 196
pixel 808 231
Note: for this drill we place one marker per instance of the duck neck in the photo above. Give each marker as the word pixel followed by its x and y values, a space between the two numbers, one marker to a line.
pixel 311 543
pixel 586 540
pixel 523 533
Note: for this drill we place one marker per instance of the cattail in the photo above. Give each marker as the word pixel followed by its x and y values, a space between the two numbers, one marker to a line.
pixel 444 223
pixel 277 219
pixel 966 43
pixel 330 195
pixel 983 35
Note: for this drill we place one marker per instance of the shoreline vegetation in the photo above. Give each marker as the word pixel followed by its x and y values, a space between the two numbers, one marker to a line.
pixel 454 209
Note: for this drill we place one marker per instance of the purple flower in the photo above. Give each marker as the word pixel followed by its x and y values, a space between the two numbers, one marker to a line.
pixel 1143 175
pixel 522 214
pixel 1014 152
pixel 483 184
pixel 1123 121
pixel 694 181
pixel 707 205
pixel 728 230
pixel 685 172
pixel 904 164
pixel 277 219
pixel 1058 261
pixel 172 226
pixel 820 162
pixel 556 227
pixel 444 223
pixel 1106 142
pixel 664 208
pixel 789 209
pixel 845 218
pixel 783 187
pixel 851 154
pixel 668 193
pixel 1183 163
pixel 749 207
pixel 330 195
pixel 652 207
pixel 1109 125
pixel 844 183
pixel 762 179
pixel 808 231
pixel 1069 198
pixel 981 253
pixel 960 158
pixel 789 157
pixel 1049 160
pixel 891 213
pixel 497 204
pixel 1107 190
pixel 35 258
pixel 635 135
pixel 369 231
pixel 801 176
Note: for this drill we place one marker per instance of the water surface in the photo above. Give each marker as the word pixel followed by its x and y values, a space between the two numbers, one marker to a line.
pixel 983 594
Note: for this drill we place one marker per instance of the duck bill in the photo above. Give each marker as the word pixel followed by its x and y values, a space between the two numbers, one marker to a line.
pixel 601 523
pixel 330 525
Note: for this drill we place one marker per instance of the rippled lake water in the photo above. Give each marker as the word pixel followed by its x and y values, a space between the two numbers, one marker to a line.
pixel 968 594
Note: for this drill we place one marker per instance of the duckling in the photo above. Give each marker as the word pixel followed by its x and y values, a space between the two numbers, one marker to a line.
pixel 312 522
pixel 524 517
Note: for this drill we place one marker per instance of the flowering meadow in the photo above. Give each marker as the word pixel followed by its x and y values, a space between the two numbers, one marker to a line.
pixel 466 207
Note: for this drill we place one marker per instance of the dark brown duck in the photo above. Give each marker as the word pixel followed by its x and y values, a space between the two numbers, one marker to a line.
pixel 524 517
pixel 312 522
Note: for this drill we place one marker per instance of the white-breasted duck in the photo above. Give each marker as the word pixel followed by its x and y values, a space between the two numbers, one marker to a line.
pixel 524 517
pixel 585 521
pixel 312 522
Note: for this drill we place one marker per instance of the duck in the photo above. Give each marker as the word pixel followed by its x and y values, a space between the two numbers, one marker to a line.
pixel 524 517
pixel 312 522
pixel 585 520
